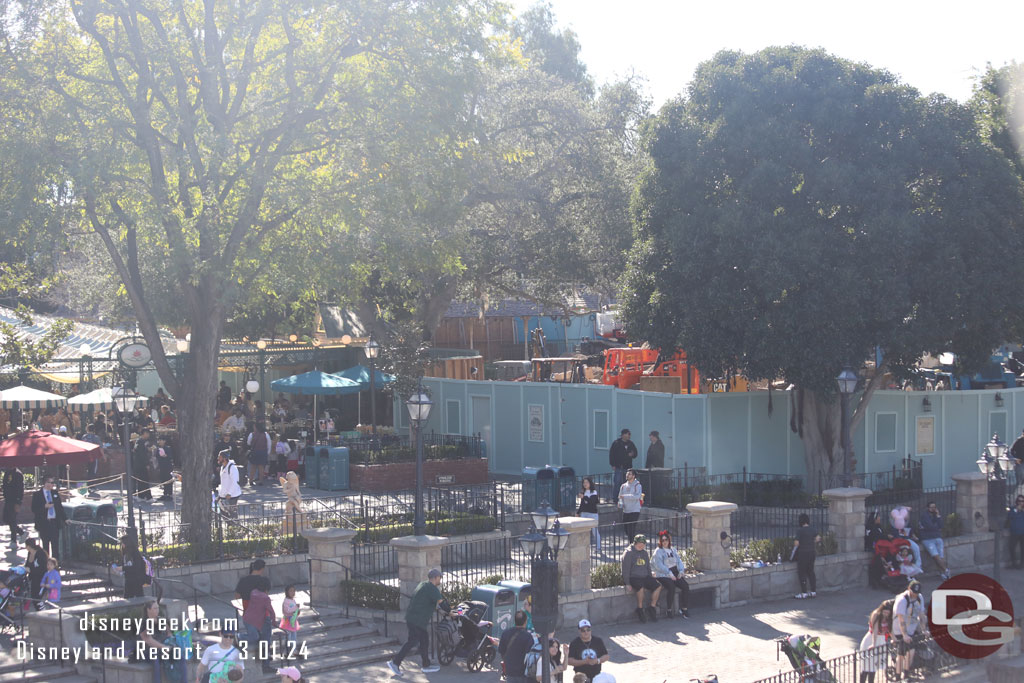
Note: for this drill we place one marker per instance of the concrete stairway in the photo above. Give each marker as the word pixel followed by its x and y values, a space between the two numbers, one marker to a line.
pixel 79 587
pixel 11 670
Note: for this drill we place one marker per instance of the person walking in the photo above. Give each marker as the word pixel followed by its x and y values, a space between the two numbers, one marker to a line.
pixel 14 494
pixel 655 452
pixel 587 652
pixel 290 617
pixel 49 516
pixel 140 465
pixel 588 508
pixel 228 490
pixel 879 628
pixel 670 572
pixel 908 616
pixel 803 551
pixel 36 563
pixel 425 599
pixel 220 659
pixel 638 577
pixel 259 618
pixel 254 579
pixel 631 496
pixel 513 647
pixel 164 466
pixel 260 445
pixel 133 568
pixel 1015 523
pixel 621 456
pixel 50 586
pixel 930 533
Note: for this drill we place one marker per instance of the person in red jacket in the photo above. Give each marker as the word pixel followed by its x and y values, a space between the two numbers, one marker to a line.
pixel 259 618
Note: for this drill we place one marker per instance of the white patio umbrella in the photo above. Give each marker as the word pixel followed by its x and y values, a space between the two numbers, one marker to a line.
pixel 28 398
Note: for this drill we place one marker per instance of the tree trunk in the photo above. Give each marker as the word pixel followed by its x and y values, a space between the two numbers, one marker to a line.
pixel 823 448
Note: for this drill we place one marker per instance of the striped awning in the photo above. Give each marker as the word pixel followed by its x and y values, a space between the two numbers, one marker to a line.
pixel 28 398
pixel 104 398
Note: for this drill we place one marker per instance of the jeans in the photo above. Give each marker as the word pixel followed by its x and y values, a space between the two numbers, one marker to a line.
pixel 629 520
pixel 618 479
pixel 1016 541
pixel 805 572
pixel 671 584
pixel 418 637
pixel 594 533
pixel 252 638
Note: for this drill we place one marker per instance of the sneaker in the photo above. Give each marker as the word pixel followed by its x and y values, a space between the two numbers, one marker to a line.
pixel 800 596
pixel 684 614
pixel 652 613
pixel 640 615
pixel 813 594
pixel 431 668
pixel 946 574
pixel 395 668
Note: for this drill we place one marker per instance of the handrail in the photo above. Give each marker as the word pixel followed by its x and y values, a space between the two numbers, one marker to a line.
pixel 195 598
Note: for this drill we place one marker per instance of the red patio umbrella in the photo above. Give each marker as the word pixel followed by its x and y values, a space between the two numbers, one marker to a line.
pixel 37 448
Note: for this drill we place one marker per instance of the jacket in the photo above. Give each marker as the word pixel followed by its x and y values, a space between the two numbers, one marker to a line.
pixel 664 559
pixel 229 481
pixel 621 454
pixel 1015 521
pixel 931 526
pixel 259 609
pixel 39 507
pixel 655 455
pixel 14 487
pixel 629 496
pixel 634 558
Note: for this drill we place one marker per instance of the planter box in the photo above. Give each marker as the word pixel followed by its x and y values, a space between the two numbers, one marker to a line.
pixel 399 475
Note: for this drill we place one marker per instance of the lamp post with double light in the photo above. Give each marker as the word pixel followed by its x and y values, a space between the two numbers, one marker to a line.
pixel 542 544
pixel 419 410
pixel 847 381
pixel 994 462
pixel 372 350
pixel 126 400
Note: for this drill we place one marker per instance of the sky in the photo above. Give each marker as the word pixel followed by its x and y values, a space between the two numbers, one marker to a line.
pixel 937 46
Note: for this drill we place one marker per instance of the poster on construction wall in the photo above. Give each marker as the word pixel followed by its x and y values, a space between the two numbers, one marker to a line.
pixel 536 413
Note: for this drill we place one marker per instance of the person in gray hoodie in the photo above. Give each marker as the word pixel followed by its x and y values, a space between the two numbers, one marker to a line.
pixel 637 575
pixel 669 570
pixel 631 496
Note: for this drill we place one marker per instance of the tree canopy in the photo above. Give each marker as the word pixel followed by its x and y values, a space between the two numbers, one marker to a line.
pixel 800 210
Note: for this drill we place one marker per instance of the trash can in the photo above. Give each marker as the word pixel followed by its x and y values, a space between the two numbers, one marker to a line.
pixel 501 606
pixel 538 486
pixel 656 483
pixel 521 589
pixel 566 490
pixel 79 536
pixel 314 454
pixel 334 469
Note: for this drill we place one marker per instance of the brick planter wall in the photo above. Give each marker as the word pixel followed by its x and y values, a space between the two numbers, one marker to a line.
pixel 402 475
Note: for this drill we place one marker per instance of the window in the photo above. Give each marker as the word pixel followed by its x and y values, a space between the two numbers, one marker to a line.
pixel 601 429
pixel 885 432
pixel 997 425
pixel 453 409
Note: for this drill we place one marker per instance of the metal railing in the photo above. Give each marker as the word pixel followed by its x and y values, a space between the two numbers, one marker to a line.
pixel 468 563
pixel 617 537
pixel 908 475
pixel 436 446
pixel 916 501
pixel 749 524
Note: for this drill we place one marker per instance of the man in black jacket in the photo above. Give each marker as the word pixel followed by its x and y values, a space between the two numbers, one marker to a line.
pixel 514 645
pixel 14 492
pixel 621 456
pixel 49 516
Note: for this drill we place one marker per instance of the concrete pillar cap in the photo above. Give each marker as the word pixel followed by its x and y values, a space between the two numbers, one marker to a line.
pixel 419 542
pixel 847 492
pixel 711 507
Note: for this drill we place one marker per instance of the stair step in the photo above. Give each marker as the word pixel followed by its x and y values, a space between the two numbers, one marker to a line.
pixel 50 672
pixel 348 634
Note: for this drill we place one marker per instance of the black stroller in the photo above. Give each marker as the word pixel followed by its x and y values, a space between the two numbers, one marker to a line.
pixel 13 590
pixel 804 653
pixel 474 642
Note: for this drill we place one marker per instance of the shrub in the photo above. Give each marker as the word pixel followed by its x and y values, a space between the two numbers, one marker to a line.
pixel 456 592
pixel 829 545
pixel 370 595
pixel 606 575
pixel 689 556
pixel 954 525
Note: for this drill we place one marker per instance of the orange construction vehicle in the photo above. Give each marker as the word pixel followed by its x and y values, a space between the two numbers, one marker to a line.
pixel 625 366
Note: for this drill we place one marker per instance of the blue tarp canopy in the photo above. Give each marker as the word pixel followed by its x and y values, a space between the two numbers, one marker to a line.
pixel 361 375
pixel 316 383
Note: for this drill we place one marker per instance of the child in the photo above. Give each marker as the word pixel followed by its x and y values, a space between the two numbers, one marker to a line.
pixel 50 586
pixel 907 566
pixel 290 674
pixel 289 614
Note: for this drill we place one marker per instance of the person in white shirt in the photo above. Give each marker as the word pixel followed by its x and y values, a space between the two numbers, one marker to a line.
pixel 220 659
pixel 235 422
pixel 908 616
pixel 229 490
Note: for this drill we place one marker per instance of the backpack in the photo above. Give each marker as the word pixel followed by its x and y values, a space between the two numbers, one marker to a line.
pixel 150 574
pixel 532 659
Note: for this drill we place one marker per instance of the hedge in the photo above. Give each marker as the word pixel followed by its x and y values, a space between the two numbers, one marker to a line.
pixel 371 595
pixel 457 525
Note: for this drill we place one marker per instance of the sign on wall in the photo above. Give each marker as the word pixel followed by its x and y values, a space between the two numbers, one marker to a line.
pixel 925 435
pixel 536 427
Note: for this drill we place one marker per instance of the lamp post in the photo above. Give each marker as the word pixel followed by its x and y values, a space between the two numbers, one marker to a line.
pixel 542 544
pixel 372 350
pixel 419 410
pixel 847 381
pixel 994 462
pixel 125 401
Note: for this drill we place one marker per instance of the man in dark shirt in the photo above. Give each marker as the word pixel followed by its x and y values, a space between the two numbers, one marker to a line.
pixel 620 457
pixel 254 579
pixel 1017 459
pixel 514 645
pixel 587 652
pixel 655 452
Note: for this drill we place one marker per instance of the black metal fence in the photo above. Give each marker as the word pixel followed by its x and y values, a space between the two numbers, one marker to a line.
pixel 470 563
pixel 616 538
pixel 916 500
pixel 384 449
pixel 908 475
pixel 776 526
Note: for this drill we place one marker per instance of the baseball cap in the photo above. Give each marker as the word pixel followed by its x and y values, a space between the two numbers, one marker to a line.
pixel 639 538
pixel 584 624
pixel 291 672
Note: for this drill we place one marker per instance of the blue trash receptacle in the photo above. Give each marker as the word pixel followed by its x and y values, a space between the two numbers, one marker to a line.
pixel 522 590
pixel 501 606
pixel 566 490
pixel 334 475
pixel 538 486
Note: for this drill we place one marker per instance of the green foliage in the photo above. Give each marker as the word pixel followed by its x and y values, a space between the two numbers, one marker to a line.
pixel 606 575
pixel 772 493
pixel 998 103
pixel 457 525
pixel 459 591
pixel 370 595
pixel 953 526
pixel 829 545
pixel 407 454
pixel 689 556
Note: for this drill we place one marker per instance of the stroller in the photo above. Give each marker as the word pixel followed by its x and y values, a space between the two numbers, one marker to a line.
pixel 884 572
pixel 472 633
pixel 804 654
pixel 13 590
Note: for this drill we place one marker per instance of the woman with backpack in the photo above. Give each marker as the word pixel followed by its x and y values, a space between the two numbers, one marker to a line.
pixel 133 567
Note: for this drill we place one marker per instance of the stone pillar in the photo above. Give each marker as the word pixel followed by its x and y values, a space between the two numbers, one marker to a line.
pixel 846 517
pixel 710 519
pixel 330 554
pixel 574 560
pixel 417 555
pixel 972 501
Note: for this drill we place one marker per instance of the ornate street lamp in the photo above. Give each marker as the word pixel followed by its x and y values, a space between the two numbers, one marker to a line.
pixel 125 399
pixel 542 544
pixel 847 381
pixel 419 410
pixel 994 462
pixel 372 350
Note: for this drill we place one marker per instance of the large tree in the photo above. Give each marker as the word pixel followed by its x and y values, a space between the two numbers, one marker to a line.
pixel 800 210
pixel 196 134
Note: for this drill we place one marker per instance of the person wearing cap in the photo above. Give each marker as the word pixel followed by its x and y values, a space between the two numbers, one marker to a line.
pixel 908 616
pixel 425 599
pixel 621 456
pixel 513 647
pixel 220 659
pixel 638 577
pixel 587 652
pixel 290 674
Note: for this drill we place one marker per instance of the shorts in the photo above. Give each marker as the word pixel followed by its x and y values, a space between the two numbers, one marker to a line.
pixel 650 583
pixel 934 547
pixel 257 457
pixel 903 647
